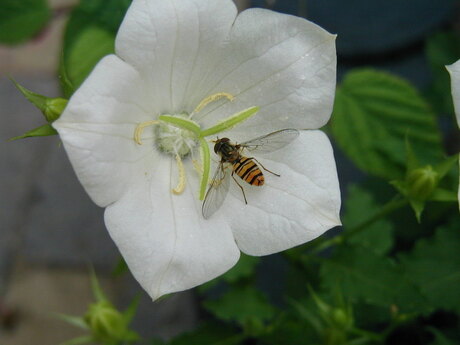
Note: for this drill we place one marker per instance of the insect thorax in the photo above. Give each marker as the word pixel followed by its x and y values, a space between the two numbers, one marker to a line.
pixel 228 151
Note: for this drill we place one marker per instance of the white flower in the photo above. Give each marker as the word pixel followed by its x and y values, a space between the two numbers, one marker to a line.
pixel 454 71
pixel 279 71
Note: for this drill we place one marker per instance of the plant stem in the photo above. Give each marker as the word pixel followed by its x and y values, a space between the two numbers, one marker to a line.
pixel 321 244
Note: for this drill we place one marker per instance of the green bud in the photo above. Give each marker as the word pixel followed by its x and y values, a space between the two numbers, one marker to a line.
pixel 341 318
pixel 54 108
pixel 106 323
pixel 51 108
pixel 421 182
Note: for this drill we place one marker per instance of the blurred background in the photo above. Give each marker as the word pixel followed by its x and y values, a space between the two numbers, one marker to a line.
pixel 50 231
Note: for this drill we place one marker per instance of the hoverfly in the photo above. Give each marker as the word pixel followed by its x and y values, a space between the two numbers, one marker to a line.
pixel 247 168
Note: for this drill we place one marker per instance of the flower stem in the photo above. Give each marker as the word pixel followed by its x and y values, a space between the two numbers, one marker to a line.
pixel 323 243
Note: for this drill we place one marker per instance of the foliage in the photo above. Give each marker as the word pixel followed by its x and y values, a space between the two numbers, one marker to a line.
pixel 21 20
pixel 380 276
pixel 90 35
pixel 367 105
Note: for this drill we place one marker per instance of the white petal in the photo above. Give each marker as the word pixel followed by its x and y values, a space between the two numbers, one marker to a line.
pixel 284 64
pixel 97 129
pixel 291 209
pixel 166 243
pixel 454 71
pixel 174 44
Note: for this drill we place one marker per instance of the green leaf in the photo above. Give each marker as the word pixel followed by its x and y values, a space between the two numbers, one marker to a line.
pixel 358 206
pixel 442 48
pixel 209 334
pixel 92 45
pixel 241 304
pixel 362 275
pixel 22 19
pixel 89 36
pixel 434 266
pixel 243 269
pixel 41 131
pixel 66 85
pixel 440 339
pixel 373 114
pixel 289 331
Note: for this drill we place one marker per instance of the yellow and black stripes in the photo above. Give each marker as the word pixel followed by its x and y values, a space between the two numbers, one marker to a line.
pixel 248 171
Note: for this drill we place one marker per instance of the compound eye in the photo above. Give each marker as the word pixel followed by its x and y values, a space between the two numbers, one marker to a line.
pixel 217 147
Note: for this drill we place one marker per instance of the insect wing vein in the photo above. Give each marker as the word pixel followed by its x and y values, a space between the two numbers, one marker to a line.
pixel 272 141
pixel 217 191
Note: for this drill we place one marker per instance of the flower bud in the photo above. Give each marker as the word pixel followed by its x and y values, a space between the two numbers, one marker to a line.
pixel 341 318
pixel 106 323
pixel 53 108
pixel 422 182
pixel 253 326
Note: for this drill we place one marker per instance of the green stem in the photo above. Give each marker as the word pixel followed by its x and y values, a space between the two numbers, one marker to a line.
pixel 391 206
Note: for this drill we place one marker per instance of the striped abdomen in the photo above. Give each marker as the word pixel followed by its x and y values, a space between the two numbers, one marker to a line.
pixel 248 170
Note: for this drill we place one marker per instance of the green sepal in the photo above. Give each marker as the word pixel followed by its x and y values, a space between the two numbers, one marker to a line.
pixel 86 339
pixel 412 161
pixel 41 131
pixel 96 288
pixel 441 194
pixel 230 121
pixel 51 108
pixel 130 312
pixel 76 321
pixel 445 166
pixel 418 206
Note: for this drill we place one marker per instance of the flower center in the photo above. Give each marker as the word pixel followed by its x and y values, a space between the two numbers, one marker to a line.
pixel 178 135
pixel 175 140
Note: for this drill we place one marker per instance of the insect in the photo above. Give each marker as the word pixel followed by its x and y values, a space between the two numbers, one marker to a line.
pixel 247 168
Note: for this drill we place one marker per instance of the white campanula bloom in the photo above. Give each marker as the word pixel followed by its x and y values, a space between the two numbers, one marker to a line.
pixel 138 133
pixel 454 71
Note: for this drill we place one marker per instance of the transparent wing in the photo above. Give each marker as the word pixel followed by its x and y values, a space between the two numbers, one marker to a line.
pixel 217 191
pixel 272 141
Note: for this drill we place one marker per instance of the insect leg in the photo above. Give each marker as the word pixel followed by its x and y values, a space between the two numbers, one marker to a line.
pixel 242 190
pixel 271 172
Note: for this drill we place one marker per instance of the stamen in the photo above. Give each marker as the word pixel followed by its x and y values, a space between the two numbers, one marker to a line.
pixel 211 99
pixel 140 129
pixel 198 167
pixel 181 185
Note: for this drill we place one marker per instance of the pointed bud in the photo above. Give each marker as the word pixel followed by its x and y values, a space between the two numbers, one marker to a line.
pixel 421 182
pixel 342 318
pixel 105 322
pixel 51 108
pixel 54 108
